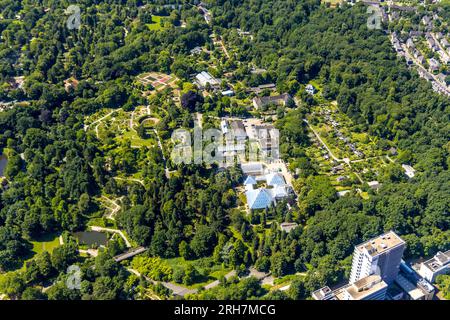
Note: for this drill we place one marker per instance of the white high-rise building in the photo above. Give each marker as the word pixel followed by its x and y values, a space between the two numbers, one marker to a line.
pixel 379 256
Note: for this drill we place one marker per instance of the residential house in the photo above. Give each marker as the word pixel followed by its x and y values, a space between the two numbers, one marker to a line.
pixel 410 44
pixel 431 42
pixel 426 21
pixel 434 65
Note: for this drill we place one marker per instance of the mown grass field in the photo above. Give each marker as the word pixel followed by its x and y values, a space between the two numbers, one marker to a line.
pixel 156 25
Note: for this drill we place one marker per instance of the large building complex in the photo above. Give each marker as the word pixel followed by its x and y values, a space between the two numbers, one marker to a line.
pixel 379 273
pixel 381 255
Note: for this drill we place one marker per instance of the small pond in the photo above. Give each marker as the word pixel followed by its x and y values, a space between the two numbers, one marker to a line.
pixel 91 238
pixel 3 162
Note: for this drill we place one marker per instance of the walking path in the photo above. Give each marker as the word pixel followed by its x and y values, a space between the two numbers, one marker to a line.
pixel 91 252
pixel 217 282
pixel 100 229
pixel 166 169
pixel 323 143
pixel 86 127
pixel 177 290
pixel 131 179
pixel 114 209
pixel 224 49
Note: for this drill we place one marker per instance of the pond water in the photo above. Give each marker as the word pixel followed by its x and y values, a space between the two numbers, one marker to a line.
pixel 90 238
pixel 3 162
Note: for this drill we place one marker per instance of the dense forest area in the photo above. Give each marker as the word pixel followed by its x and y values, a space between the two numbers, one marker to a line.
pixel 55 168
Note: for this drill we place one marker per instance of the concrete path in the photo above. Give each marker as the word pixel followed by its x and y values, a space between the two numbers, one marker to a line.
pixel 217 282
pixel 115 208
pixel 91 252
pixel 100 229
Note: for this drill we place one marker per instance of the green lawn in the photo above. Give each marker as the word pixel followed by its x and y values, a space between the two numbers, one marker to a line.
pixel 47 243
pixel 137 141
pixel 204 266
pixel 156 25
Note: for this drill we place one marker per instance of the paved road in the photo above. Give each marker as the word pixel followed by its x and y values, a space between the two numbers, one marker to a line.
pixel 257 274
pixel 441 86
pixel 217 282
pixel 433 35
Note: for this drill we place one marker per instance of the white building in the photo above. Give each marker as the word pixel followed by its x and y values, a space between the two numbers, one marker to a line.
pixel 224 126
pixel 368 288
pixel 374 185
pixel 310 89
pixel 203 78
pixel 439 264
pixel 434 65
pixel 265 197
pixel 238 131
pixel 288 226
pixel 196 50
pixel 324 293
pixel 252 168
pixel 228 93
pixel 381 255
pixel 409 171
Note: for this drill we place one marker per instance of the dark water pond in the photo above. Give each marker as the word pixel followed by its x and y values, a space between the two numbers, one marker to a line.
pixel 3 162
pixel 90 238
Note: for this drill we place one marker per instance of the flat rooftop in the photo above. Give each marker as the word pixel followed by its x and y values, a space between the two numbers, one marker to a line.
pixel 440 260
pixel 324 293
pixel 381 243
pixel 409 287
pixel 365 287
